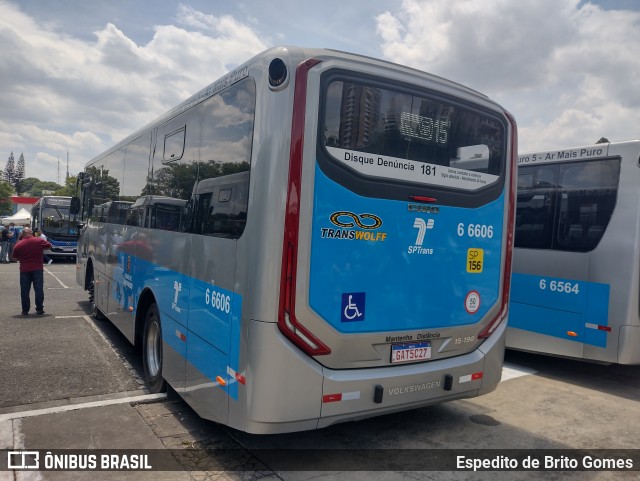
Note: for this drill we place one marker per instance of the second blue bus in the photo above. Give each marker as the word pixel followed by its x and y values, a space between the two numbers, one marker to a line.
pixel 50 216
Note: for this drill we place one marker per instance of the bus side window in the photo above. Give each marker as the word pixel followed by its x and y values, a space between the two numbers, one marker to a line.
pixel 588 197
pixel 240 208
pixel 187 221
pixel 202 224
pixel 166 218
pixel 132 217
pixel 535 212
pixel 222 212
pixel 216 215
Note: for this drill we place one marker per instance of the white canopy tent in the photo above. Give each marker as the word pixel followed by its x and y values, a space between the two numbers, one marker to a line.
pixel 23 216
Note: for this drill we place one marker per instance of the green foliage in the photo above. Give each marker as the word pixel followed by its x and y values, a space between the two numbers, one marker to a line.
pixel 104 187
pixel 32 187
pixel 177 180
pixel 25 186
pixel 6 191
pixel 69 188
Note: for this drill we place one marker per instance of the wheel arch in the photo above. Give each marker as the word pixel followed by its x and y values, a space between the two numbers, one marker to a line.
pixel 146 299
pixel 88 272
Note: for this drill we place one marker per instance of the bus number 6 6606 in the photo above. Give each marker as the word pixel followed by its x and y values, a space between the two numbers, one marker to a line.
pixel 217 300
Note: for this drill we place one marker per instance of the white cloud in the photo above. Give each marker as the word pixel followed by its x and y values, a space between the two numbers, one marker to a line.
pixel 61 92
pixel 567 70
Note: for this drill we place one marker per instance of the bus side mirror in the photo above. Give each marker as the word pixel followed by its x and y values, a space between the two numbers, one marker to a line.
pixel 74 208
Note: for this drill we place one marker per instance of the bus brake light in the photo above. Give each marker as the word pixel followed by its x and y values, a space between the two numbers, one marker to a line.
pixel 287 322
pixel 511 208
pixel 425 200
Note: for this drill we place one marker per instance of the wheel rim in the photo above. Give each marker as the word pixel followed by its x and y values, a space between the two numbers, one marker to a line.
pixel 154 356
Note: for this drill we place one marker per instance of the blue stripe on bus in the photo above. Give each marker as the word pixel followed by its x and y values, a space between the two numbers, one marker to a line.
pixel 208 315
pixel 57 243
pixel 556 307
pixel 410 272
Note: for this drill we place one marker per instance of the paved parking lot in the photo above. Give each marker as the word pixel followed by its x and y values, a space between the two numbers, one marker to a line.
pixel 70 382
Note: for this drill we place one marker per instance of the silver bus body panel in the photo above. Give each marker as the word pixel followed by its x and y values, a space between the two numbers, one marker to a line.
pixel 614 262
pixel 281 397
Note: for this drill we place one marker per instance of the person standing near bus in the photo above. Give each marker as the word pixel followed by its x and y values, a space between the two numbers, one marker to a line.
pixel 14 233
pixel 4 244
pixel 29 252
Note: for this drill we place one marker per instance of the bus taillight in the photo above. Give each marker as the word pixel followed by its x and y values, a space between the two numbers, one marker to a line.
pixel 287 321
pixel 506 279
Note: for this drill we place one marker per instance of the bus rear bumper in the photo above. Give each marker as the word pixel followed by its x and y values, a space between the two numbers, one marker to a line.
pixel 357 394
pixel 302 395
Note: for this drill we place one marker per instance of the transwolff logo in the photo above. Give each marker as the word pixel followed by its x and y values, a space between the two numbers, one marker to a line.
pixel 352 226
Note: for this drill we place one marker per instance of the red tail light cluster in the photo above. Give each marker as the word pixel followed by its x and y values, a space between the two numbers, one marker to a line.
pixel 287 322
pixel 511 191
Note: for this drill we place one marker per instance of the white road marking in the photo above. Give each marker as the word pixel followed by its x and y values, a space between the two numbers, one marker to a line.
pixel 74 407
pixel 512 371
pixel 6 435
pixel 56 278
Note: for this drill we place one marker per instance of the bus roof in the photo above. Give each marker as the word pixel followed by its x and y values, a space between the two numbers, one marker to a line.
pixel 573 153
pixel 158 199
pixel 295 54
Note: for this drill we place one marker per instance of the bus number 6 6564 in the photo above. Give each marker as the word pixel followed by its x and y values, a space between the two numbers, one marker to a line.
pixel 559 286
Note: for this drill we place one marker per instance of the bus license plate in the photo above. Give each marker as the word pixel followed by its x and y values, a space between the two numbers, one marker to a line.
pixel 410 352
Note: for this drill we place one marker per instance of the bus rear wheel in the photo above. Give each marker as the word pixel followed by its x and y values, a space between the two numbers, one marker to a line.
pixel 95 311
pixel 152 350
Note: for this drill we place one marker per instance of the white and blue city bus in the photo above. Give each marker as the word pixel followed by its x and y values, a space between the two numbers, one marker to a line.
pixel 343 244
pixel 50 216
pixel 575 286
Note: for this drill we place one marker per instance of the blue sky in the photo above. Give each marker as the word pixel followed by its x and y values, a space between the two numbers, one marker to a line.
pixel 79 76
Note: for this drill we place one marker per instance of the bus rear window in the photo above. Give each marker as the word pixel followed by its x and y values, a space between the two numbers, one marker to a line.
pixel 388 134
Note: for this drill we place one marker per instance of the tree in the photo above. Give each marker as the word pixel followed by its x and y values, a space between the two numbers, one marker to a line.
pixel 9 171
pixel 603 140
pixel 33 187
pixel 69 188
pixel 27 186
pixel 177 180
pixel 104 187
pixel 19 172
pixel 48 185
pixel 6 207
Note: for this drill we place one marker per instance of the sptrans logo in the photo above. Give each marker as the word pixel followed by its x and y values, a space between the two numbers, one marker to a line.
pixel 422 227
pixel 352 226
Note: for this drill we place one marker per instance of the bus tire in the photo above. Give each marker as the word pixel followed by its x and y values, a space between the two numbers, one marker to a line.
pixel 152 350
pixel 95 311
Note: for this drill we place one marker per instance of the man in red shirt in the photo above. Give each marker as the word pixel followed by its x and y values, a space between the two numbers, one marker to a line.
pixel 29 252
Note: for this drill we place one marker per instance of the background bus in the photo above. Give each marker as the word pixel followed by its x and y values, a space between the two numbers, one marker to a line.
pixel 156 212
pixel 50 215
pixel 343 248
pixel 575 283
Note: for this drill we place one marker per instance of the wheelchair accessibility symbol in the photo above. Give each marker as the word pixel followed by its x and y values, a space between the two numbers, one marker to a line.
pixel 353 304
